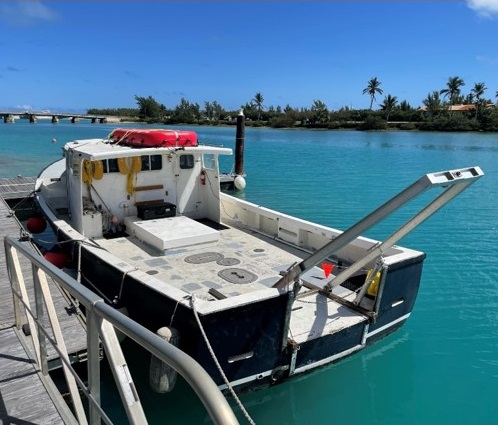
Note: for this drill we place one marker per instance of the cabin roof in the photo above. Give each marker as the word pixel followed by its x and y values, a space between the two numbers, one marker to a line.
pixel 97 149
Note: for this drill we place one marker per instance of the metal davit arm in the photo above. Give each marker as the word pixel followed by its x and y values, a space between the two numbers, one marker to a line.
pixel 455 181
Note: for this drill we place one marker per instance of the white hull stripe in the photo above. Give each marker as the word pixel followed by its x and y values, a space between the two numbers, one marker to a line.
pixel 327 359
pixel 383 328
pixel 246 379
pixel 320 362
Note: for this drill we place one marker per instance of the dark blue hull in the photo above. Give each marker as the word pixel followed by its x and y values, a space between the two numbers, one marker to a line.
pixel 251 341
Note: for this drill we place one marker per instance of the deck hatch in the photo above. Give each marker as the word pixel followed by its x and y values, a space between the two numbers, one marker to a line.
pixel 203 257
pixel 236 275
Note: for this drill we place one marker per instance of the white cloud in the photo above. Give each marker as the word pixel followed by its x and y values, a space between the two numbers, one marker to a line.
pixel 25 13
pixel 488 60
pixel 25 107
pixel 485 8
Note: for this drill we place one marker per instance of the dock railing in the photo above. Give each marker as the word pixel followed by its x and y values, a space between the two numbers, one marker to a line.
pixel 102 321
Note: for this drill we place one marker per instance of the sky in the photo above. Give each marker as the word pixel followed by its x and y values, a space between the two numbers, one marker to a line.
pixel 70 55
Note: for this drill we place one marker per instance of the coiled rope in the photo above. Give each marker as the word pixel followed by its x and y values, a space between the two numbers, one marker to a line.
pixel 211 351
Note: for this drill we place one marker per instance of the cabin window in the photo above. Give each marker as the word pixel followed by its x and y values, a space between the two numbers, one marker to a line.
pixel 152 162
pixel 145 163
pixel 186 161
pixel 113 165
pixel 110 165
pixel 208 161
pixel 156 162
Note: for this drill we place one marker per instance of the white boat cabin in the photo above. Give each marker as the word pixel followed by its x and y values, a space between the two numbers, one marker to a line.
pixel 107 184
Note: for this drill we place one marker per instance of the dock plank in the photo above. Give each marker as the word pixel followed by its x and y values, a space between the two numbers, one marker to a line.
pixel 17 187
pixel 24 398
pixel 72 328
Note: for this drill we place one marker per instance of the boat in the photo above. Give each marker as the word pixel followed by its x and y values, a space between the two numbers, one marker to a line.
pixel 256 296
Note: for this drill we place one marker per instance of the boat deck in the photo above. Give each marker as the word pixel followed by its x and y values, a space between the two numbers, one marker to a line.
pixel 239 262
pixel 217 262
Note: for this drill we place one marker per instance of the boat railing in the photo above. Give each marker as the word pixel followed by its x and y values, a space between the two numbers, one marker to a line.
pixel 102 322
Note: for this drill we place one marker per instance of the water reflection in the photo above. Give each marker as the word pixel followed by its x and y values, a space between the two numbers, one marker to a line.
pixel 334 394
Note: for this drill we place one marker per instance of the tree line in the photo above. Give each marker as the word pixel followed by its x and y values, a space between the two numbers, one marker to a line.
pixel 439 112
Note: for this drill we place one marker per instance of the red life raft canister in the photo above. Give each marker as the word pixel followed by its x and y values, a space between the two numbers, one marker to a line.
pixel 154 138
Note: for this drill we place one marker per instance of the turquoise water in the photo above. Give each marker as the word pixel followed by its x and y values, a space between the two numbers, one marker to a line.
pixel 442 366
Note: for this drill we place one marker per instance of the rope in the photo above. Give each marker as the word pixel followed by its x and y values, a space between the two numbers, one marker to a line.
pixel 118 298
pixel 78 275
pixel 174 310
pixel 218 198
pixel 97 290
pixel 22 201
pixel 213 355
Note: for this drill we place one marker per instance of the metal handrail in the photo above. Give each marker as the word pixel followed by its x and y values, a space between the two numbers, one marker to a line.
pixel 100 316
pixel 453 182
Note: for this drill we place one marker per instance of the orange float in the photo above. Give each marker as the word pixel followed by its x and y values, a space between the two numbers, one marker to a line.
pixel 36 224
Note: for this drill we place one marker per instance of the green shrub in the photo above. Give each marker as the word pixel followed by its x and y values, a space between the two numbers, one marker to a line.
pixel 282 122
pixel 373 122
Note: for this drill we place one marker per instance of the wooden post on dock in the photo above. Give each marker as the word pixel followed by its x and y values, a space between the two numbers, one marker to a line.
pixel 239 144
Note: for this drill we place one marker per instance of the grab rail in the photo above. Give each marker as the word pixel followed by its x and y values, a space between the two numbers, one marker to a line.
pixel 102 320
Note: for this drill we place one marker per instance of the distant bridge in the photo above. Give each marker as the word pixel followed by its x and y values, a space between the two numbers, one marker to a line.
pixel 11 116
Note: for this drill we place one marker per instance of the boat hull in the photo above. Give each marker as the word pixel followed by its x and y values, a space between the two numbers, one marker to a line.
pixel 250 341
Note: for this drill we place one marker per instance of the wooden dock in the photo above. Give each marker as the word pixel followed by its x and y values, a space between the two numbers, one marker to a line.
pixel 17 188
pixel 25 395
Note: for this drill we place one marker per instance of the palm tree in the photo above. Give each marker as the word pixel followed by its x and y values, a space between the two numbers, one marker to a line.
pixel 478 91
pixel 432 102
pixel 258 102
pixel 208 107
pixel 453 89
pixel 372 89
pixel 319 111
pixel 389 104
pixel 405 106
pixel 218 110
